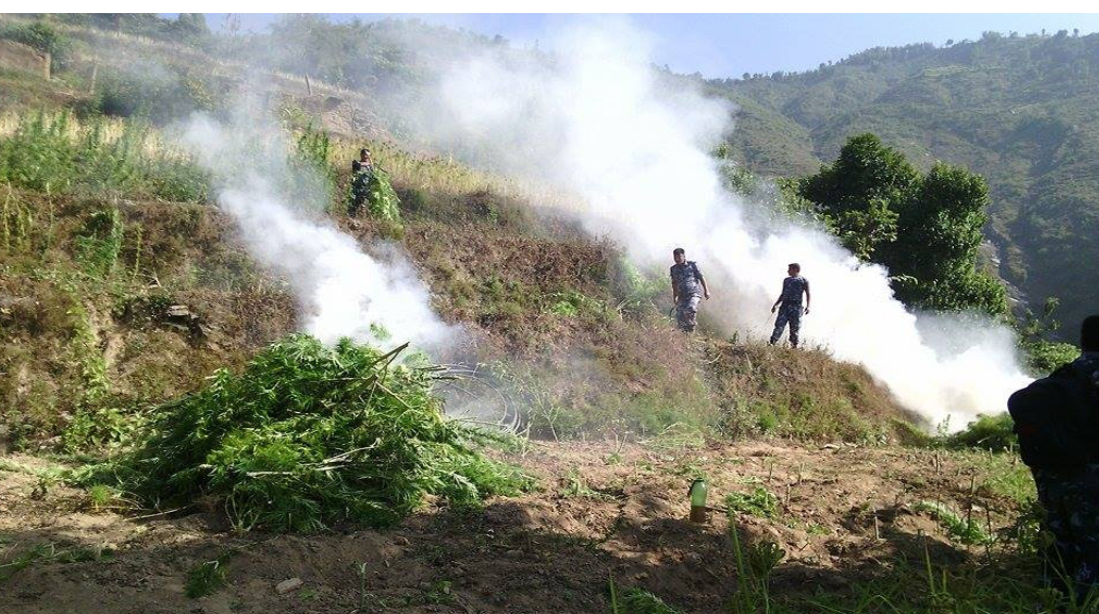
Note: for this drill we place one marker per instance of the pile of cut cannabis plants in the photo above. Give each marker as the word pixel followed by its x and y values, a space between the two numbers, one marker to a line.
pixel 309 436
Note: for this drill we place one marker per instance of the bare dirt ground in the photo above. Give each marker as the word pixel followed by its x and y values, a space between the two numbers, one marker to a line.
pixel 602 512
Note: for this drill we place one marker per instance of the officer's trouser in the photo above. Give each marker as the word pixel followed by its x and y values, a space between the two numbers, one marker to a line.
pixel 787 314
pixel 686 313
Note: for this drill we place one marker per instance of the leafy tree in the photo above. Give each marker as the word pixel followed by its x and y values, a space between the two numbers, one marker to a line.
pixel 925 228
pixel 938 243
pixel 1043 356
pixel 189 28
pixel 1019 109
pixel 860 193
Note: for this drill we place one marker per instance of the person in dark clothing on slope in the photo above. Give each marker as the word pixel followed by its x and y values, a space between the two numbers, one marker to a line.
pixel 789 304
pixel 688 289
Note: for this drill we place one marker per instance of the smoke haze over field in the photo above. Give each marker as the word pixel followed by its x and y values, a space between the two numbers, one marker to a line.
pixel 341 290
pixel 598 121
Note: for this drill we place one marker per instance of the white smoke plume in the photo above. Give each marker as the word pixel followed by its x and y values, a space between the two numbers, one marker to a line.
pixel 341 290
pixel 598 121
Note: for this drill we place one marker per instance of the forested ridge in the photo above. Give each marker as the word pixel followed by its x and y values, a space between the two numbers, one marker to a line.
pixel 1019 110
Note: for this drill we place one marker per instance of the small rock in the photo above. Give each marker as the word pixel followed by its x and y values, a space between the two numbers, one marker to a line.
pixel 287 586
pixel 179 311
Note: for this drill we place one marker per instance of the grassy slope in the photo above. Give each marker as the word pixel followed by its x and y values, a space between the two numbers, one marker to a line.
pixel 595 352
pixel 1021 111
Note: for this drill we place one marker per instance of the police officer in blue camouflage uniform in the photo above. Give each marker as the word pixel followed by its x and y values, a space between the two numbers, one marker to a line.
pixel 790 302
pixel 688 288
pixel 1070 496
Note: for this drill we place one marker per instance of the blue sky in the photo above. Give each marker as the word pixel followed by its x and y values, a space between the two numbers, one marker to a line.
pixel 730 45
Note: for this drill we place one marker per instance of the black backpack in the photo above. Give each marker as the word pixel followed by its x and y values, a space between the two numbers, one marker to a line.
pixel 1057 418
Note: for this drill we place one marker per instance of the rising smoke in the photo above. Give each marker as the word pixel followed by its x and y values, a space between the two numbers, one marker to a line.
pixel 341 290
pixel 599 121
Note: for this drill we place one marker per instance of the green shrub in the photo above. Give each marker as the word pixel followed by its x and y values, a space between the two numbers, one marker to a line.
pixel 43 37
pixel 312 177
pixel 309 436
pixel 636 291
pixel 1044 357
pixel 413 200
pixel 564 308
pixel 571 304
pixel 986 432
pixel 176 179
pixel 99 243
pixel 49 553
pixel 755 563
pixel 1034 330
pixel 154 93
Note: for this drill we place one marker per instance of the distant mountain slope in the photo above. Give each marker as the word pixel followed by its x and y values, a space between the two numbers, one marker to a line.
pixel 1020 110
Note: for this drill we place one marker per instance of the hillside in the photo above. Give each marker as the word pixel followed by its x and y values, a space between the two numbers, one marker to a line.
pixel 132 289
pixel 1021 110
pixel 124 286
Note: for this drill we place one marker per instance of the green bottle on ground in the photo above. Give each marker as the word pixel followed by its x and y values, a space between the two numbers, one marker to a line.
pixel 698 494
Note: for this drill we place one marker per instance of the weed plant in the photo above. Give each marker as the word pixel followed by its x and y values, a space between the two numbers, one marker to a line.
pixel 384 203
pixel 207 577
pixel 309 436
pixel 99 243
pixel 17 223
pixel 754 565
pixel 992 433
pixel 637 291
pixel 311 176
pixel 575 486
pixel 963 530
pixel 637 601
pixel 1000 582
pixel 760 502
pixel 56 153
pixel 50 553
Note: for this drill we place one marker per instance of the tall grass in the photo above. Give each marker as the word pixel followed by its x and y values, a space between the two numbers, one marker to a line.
pixel 443 176
pixel 57 153
pixel 1000 583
